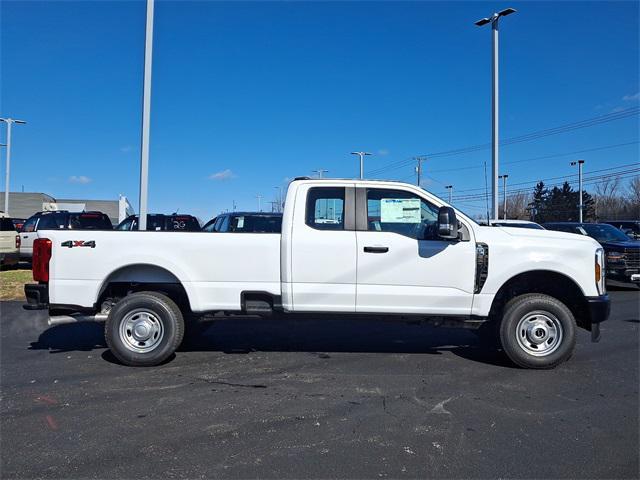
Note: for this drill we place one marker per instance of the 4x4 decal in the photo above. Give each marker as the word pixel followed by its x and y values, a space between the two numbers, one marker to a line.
pixel 78 243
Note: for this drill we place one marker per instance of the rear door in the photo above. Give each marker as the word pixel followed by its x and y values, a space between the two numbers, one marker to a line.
pixel 403 266
pixel 323 249
pixel 7 236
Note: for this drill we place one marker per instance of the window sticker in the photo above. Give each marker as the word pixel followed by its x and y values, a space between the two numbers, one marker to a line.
pixel 400 210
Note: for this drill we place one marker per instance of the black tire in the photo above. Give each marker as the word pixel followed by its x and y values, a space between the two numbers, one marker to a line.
pixel 156 316
pixel 534 318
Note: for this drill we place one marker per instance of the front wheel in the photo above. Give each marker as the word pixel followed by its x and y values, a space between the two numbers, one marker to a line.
pixel 537 331
pixel 144 329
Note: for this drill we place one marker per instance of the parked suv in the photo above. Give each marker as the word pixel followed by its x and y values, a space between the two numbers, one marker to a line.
pixel 9 242
pixel 59 220
pixel 623 253
pixel 245 222
pixel 163 223
pixel 630 227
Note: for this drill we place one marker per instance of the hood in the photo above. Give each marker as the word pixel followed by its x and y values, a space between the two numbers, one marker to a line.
pixel 542 234
pixel 634 244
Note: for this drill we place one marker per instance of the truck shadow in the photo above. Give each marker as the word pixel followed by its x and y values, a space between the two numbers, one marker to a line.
pixel 322 336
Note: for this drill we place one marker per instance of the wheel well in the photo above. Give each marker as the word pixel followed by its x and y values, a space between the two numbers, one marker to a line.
pixel 545 282
pixel 142 278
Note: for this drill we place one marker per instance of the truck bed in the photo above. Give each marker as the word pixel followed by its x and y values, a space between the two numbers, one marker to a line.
pixel 214 268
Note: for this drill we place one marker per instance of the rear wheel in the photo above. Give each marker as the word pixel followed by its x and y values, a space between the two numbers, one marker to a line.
pixel 144 329
pixel 537 331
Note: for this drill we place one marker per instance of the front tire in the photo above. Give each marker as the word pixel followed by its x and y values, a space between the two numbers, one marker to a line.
pixel 144 329
pixel 537 331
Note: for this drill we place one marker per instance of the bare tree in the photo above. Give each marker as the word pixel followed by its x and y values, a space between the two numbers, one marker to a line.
pixel 516 206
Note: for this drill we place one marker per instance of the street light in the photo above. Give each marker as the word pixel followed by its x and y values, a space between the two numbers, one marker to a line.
pixel 279 198
pixel 9 122
pixel 580 206
pixel 320 172
pixel 493 20
pixel 361 155
pixel 146 117
pixel 450 188
pixel 504 195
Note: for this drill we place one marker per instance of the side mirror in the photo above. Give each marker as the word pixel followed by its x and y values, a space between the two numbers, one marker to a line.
pixel 447 223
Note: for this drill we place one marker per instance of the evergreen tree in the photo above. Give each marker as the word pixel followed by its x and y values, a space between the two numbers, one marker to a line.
pixel 538 203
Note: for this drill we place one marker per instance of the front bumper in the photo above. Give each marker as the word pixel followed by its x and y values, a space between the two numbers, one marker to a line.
pixel 598 311
pixel 37 296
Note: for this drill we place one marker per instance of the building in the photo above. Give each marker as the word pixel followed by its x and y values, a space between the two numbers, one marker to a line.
pixel 25 204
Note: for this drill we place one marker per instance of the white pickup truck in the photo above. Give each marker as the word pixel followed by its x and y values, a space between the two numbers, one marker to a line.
pixel 347 246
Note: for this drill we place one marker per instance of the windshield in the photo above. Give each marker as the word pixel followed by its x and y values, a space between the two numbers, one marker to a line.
pixel 534 226
pixel 602 232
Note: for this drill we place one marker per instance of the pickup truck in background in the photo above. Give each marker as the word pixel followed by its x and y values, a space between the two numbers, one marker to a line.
pixel 347 246
pixel 59 220
pixel 245 222
pixel 9 241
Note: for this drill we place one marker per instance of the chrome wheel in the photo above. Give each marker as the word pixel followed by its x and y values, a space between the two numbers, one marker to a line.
pixel 539 333
pixel 141 331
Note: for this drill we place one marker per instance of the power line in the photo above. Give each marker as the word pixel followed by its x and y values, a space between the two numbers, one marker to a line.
pixel 610 117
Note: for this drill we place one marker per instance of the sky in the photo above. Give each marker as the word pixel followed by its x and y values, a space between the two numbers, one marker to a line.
pixel 247 95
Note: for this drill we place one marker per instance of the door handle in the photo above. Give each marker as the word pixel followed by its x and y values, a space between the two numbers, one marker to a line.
pixel 376 249
pixel 25 236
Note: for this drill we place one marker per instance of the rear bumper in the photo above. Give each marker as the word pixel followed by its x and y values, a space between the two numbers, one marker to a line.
pixel 599 309
pixel 37 296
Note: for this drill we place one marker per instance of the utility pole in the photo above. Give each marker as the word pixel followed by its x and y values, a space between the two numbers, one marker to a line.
pixel 450 188
pixel 259 197
pixel 580 206
pixel 320 172
pixel 234 205
pixel 419 169
pixel 279 199
pixel 495 137
pixel 361 155
pixel 504 195
pixel 146 117
pixel 9 122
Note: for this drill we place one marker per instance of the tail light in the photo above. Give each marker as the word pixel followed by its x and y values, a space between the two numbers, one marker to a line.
pixel 40 260
pixel 17 241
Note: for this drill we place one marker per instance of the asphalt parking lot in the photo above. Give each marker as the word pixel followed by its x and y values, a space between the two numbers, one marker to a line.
pixel 303 397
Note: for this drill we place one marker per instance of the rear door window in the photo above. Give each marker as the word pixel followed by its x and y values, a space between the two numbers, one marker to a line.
pixel 325 208
pixel 51 222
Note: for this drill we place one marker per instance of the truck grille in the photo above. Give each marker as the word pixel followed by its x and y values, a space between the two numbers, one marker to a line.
pixel 632 258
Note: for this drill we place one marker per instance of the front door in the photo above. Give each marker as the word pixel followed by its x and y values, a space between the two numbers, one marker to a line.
pixel 403 266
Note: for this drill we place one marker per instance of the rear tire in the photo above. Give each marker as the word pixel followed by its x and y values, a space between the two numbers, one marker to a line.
pixel 144 329
pixel 537 331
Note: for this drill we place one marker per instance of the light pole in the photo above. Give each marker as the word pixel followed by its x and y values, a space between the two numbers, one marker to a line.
pixel 580 206
pixel 9 122
pixel 493 20
pixel 320 172
pixel 450 188
pixel 259 197
pixel 146 117
pixel 504 195
pixel 361 155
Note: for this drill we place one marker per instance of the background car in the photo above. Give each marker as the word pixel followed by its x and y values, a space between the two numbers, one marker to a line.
pixel 245 222
pixel 9 241
pixel 630 227
pixel 163 223
pixel 59 220
pixel 623 253
pixel 516 224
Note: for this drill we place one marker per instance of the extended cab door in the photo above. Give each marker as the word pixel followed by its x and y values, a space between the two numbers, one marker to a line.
pixel 323 249
pixel 403 267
